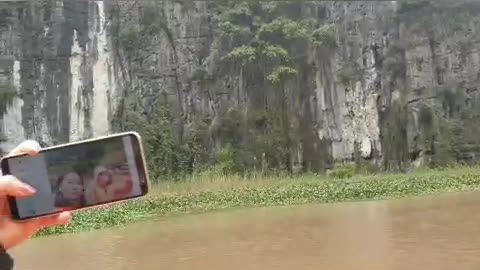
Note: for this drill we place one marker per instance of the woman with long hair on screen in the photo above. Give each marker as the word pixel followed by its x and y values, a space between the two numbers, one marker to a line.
pixel 70 190
pixel 104 191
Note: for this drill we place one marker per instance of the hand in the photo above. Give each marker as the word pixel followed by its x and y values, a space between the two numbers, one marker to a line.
pixel 13 233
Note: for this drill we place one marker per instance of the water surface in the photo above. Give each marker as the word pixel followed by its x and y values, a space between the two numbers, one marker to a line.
pixel 440 232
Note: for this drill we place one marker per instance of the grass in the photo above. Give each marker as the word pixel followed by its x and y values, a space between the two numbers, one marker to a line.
pixel 209 192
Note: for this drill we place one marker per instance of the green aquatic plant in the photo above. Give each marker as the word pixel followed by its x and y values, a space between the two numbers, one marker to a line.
pixel 272 192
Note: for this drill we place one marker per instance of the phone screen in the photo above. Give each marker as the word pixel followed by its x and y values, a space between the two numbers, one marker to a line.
pixel 78 176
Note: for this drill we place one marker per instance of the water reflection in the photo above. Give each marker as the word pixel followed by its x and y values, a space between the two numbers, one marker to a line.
pixel 440 232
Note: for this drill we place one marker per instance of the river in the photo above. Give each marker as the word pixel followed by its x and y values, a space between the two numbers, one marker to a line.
pixel 438 232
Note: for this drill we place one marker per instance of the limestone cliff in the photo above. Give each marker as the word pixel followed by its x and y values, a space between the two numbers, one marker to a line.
pixel 386 89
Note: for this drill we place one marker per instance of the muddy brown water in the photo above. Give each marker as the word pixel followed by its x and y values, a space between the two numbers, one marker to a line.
pixel 439 232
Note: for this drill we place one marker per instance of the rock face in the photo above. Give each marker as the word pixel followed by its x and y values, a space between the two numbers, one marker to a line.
pixel 56 57
pixel 68 67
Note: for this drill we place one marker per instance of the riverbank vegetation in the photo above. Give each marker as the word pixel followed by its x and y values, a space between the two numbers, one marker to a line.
pixel 207 192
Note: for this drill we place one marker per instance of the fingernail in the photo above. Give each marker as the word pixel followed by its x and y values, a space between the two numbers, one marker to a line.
pixel 28 190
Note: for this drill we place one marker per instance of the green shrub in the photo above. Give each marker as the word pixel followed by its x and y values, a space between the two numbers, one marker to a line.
pixel 343 172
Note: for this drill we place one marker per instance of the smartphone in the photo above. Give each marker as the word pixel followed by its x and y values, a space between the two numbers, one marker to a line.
pixel 79 175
